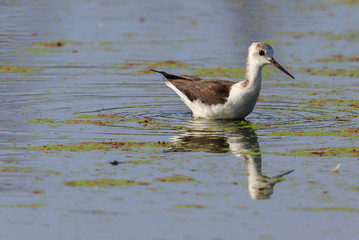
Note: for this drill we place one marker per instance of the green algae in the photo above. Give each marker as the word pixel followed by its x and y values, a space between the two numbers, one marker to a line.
pixel 103 120
pixel 329 72
pixel 12 69
pixel 99 212
pixel 197 206
pixel 338 58
pixel 93 146
pixel 26 170
pixel 350 36
pixel 324 152
pixel 55 44
pixel 341 209
pixel 104 183
pixel 34 205
pixel 325 4
pixel 273 43
pixel 87 116
pixel 343 104
pixel 304 85
pixel 346 2
pixel 175 178
pixel 135 162
pixel 169 64
pixel 294 35
pixel 106 116
pixel 77 121
pixel 220 72
pixel 108 43
pixel 347 133
pixel 36 50
pixel 49 46
pixel 41 121
pixel 148 65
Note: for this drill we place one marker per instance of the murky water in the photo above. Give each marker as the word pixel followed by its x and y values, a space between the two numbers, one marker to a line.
pixel 93 145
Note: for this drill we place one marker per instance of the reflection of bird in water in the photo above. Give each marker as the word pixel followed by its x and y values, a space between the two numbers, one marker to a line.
pixel 223 99
pixel 260 186
pixel 230 136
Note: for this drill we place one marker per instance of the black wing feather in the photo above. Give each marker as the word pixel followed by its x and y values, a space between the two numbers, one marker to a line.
pixel 211 91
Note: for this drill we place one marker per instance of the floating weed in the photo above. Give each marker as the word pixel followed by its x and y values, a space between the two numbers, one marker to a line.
pixel 198 193
pixel 135 106
pixel 329 72
pixel 26 170
pixel 128 65
pixel 175 178
pixel 220 72
pixel 92 146
pixel 276 42
pixel 341 209
pixel 105 119
pixel 104 183
pixel 41 121
pixel 272 42
pixel 108 43
pixel 80 121
pixel 55 44
pixel 34 205
pixel 347 2
pixel 148 65
pixel 37 50
pixel 349 133
pixel 351 36
pixel 36 192
pixel 325 4
pixel 97 212
pixel 304 85
pixel 338 58
pixel 334 92
pixel 170 64
pixel 343 104
pixel 18 69
pixel 49 47
pixel 198 206
pixel 101 116
pixel 327 152
pixel 294 35
pixel 135 162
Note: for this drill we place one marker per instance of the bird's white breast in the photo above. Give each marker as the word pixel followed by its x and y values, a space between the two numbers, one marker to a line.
pixel 240 103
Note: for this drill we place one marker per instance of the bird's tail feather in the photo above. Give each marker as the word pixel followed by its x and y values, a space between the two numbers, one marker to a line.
pixel 167 75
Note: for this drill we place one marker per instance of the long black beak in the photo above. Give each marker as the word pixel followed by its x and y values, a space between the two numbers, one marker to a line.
pixel 277 65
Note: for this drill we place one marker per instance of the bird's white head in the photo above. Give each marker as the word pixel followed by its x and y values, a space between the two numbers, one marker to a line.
pixel 261 54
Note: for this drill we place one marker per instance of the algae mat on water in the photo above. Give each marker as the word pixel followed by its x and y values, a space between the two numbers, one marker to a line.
pixel 92 146
pixel 329 151
pixel 13 69
pixel 103 120
pixel 104 183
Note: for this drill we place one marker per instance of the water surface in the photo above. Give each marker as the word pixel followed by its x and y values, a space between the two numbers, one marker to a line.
pixel 76 95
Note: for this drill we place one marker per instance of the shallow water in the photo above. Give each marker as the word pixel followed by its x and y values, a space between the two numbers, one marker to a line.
pixel 93 145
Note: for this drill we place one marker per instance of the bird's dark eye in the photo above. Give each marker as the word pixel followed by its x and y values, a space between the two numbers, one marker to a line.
pixel 261 52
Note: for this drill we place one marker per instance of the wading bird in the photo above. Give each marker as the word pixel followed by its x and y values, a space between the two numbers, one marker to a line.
pixel 223 99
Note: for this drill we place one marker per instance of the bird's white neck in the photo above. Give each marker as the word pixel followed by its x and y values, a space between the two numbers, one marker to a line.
pixel 253 75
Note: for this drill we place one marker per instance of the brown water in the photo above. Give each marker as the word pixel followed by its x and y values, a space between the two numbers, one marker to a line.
pixel 76 96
